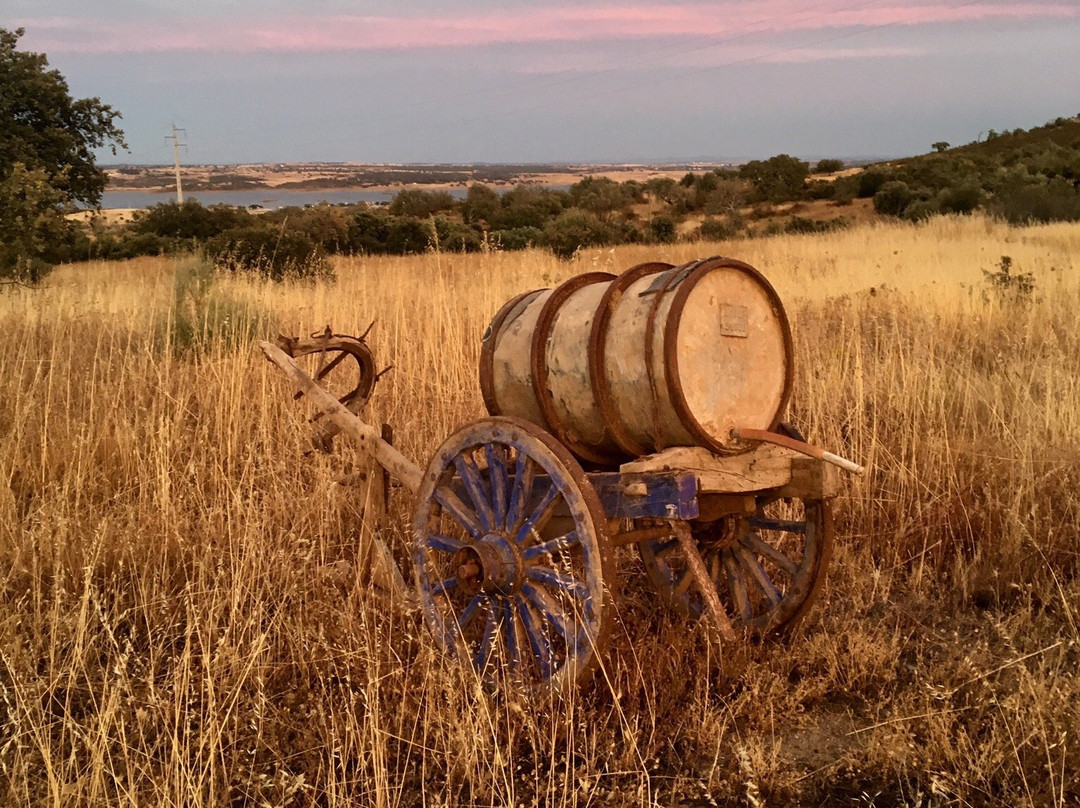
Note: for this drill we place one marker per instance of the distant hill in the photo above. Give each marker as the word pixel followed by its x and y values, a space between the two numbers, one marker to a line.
pixel 1023 176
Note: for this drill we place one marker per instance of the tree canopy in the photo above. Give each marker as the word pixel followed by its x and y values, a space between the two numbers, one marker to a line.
pixel 47 140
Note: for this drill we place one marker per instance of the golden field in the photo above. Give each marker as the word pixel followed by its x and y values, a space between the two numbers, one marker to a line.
pixel 170 634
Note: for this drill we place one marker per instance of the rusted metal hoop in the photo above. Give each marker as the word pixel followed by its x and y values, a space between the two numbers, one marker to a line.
pixel 490 341
pixel 618 431
pixel 538 363
pixel 671 357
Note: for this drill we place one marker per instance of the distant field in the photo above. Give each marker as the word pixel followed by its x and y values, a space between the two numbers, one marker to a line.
pixel 170 634
pixel 326 176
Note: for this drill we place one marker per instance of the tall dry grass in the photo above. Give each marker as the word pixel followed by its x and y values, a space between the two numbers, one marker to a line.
pixel 175 629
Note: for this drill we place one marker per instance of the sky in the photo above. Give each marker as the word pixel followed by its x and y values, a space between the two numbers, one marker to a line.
pixel 447 81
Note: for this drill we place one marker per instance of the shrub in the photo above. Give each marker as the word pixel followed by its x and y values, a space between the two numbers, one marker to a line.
pixel 455 236
pixel 275 254
pixel 892 198
pixel 828 166
pixel 575 229
pixel 714 230
pixel 1021 203
pixel 662 229
pixel 1009 287
pixel 518 238
pixel 407 236
pixel 962 199
pixel 920 209
pixel 421 204
pixel 800 224
pixel 870 182
pixel 190 221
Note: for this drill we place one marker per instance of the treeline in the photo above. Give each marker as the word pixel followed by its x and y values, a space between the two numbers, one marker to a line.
pixel 1021 176
pixel 594 212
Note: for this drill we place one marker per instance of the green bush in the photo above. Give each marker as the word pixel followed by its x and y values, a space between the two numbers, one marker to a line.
pixel 662 229
pixel 454 236
pixel 275 254
pixel 575 229
pixel 1022 203
pixel 714 230
pixel 190 221
pixel 869 182
pixel 518 238
pixel 421 204
pixel 828 166
pixel 961 199
pixel 892 198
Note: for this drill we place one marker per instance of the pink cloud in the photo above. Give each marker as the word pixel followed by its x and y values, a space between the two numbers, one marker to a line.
pixel 535 24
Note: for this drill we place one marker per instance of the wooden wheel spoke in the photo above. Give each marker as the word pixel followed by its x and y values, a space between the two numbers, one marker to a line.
pixel 763 548
pixel 467 615
pixel 785 525
pixel 541 613
pixel 541 513
pixel 461 513
pixel 524 472
pixel 758 574
pixel 567 583
pixel 682 586
pixel 552 546
pixel 660 548
pixel 499 481
pixel 444 586
pixel 444 543
pixel 737 585
pixel 550 611
pixel 538 640
pixel 510 632
pixel 483 652
pixel 474 486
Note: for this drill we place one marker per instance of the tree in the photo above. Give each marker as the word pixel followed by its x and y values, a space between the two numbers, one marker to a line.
pixel 828 165
pixel 777 179
pixel 47 140
pixel 940 146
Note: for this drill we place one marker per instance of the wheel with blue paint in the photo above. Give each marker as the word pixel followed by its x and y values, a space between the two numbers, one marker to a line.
pixel 768 567
pixel 512 561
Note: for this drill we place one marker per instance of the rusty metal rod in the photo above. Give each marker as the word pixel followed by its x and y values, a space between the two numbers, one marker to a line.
pixel 799 446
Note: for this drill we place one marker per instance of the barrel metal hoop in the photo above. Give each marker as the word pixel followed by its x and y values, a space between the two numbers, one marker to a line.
pixel 538 363
pixel 671 355
pixel 507 314
pixel 605 401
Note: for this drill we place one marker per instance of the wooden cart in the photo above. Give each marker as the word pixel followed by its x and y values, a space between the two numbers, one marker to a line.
pixel 513 543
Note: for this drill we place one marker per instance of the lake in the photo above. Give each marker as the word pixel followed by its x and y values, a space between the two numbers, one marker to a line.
pixel 265 197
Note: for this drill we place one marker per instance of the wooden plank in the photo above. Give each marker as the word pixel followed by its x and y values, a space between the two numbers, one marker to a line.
pixel 765 467
pixel 812 479
pixel 661 495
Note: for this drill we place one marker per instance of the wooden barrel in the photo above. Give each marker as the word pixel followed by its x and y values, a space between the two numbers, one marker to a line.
pixel 660 356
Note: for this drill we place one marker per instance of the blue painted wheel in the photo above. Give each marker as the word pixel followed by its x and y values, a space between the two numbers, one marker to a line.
pixel 768 567
pixel 512 560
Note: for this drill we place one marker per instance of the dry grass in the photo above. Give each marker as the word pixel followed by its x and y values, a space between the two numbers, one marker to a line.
pixel 167 636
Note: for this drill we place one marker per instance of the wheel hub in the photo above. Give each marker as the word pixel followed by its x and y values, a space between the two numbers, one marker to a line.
pixel 721 534
pixel 493 565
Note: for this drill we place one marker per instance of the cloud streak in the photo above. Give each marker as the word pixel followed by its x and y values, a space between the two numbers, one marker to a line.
pixel 536 24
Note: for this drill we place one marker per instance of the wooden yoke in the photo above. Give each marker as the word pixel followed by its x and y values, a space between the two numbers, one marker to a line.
pixel 366 436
